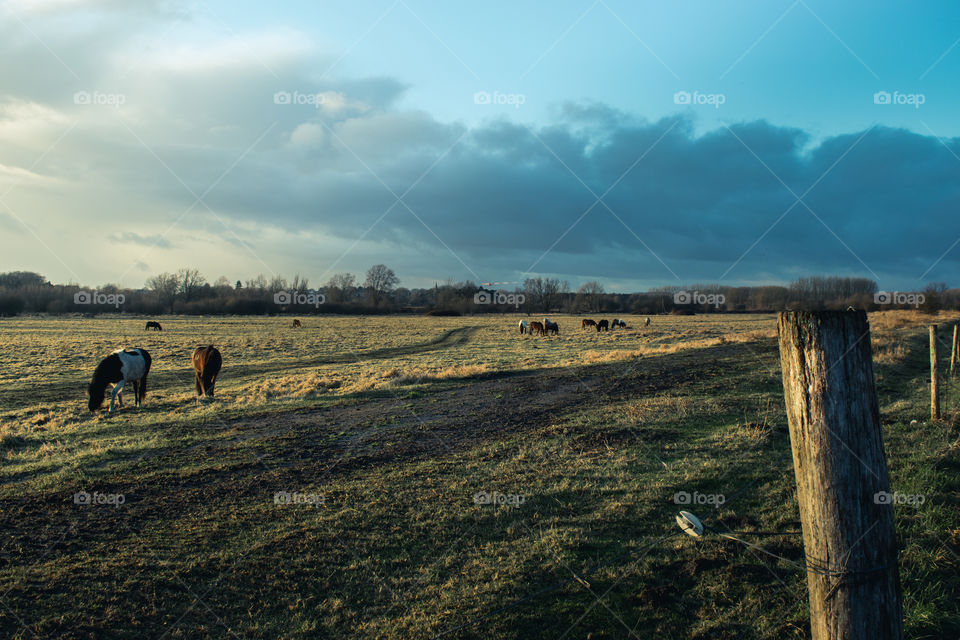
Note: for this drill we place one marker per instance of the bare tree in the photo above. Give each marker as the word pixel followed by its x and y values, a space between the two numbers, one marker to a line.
pixel 258 284
pixel 589 296
pixel 277 283
pixel 380 281
pixel 189 282
pixel 545 293
pixel 222 285
pixel 299 284
pixel 340 285
pixel 165 286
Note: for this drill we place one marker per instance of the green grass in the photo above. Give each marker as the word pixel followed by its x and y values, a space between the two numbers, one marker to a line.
pixel 596 432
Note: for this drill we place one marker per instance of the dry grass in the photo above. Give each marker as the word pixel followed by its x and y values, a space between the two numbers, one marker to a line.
pixel 902 318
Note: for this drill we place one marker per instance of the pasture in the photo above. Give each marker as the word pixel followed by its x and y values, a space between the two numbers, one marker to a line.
pixel 414 477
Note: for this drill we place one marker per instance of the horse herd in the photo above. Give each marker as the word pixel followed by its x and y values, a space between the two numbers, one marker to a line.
pixel 546 327
pixel 133 365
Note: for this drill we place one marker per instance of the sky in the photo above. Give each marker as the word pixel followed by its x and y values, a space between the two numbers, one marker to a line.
pixel 640 144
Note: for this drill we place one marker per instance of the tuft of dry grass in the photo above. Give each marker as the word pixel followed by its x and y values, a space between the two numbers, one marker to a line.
pixel 889 351
pixel 290 386
pixel 419 375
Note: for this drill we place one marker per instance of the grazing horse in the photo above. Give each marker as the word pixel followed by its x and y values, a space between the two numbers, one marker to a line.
pixel 587 322
pixel 297 324
pixel 206 364
pixel 537 328
pixel 153 325
pixel 523 327
pixel 646 322
pixel 551 327
pixel 120 367
pixel 603 325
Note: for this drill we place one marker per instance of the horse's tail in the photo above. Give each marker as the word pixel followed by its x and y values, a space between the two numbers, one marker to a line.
pixel 147 360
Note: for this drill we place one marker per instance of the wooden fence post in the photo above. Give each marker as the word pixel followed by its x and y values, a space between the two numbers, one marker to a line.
pixel 934 391
pixel 953 349
pixel 843 489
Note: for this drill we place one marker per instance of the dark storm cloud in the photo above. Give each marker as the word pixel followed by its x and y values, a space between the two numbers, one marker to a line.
pixel 881 202
pixel 129 237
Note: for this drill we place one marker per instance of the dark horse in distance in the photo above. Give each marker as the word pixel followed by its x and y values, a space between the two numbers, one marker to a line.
pixel 120 367
pixel 153 325
pixel 206 363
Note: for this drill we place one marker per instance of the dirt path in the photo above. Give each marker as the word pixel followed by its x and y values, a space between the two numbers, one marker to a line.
pixel 312 444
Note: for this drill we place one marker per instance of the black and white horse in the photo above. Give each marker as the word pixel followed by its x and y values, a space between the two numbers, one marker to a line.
pixel 523 327
pixel 551 327
pixel 120 367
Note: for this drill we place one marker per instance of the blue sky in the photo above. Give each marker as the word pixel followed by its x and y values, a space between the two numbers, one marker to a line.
pixel 640 144
pixel 814 65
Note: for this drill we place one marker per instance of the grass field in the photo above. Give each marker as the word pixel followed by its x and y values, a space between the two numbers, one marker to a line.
pixel 384 430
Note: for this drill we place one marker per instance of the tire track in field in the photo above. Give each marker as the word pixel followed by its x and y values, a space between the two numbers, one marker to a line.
pixel 75 386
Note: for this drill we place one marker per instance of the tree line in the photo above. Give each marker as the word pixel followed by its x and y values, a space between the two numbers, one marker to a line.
pixel 188 292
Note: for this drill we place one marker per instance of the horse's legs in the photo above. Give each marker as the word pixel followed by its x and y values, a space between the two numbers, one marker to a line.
pixel 117 393
pixel 136 393
pixel 198 384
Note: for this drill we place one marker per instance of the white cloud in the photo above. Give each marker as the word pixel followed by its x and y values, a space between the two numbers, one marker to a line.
pixel 259 50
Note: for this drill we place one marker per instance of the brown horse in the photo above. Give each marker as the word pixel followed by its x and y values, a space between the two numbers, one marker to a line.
pixel 206 363
pixel 297 324
pixel 603 325
pixel 587 322
pixel 536 328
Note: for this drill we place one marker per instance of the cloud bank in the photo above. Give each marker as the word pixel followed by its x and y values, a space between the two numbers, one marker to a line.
pixel 120 148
